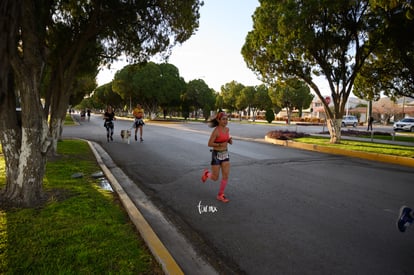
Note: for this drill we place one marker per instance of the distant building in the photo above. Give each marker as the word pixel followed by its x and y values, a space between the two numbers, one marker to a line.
pixel 384 110
pixel 317 109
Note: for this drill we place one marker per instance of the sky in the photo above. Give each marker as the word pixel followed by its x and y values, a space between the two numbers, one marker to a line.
pixel 213 53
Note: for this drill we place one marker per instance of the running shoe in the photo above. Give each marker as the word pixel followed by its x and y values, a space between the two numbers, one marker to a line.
pixel 205 175
pixel 140 139
pixel 222 198
pixel 404 219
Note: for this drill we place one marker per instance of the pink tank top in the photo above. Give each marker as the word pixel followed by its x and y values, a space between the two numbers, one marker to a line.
pixel 222 136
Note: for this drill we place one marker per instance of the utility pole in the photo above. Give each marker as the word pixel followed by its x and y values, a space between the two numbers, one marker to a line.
pixel 403 111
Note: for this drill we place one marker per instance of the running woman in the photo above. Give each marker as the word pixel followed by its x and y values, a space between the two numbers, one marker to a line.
pixel 220 160
pixel 109 117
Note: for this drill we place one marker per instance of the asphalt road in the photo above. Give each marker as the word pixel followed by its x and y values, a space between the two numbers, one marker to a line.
pixel 291 211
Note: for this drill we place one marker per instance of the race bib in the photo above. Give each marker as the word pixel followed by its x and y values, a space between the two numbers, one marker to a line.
pixel 222 155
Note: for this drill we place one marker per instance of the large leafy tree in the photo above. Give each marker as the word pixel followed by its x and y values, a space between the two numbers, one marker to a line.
pixel 262 99
pixel 406 5
pixel 65 83
pixel 104 95
pixel 124 85
pixel 82 86
pixel 146 81
pixel 291 94
pixel 310 39
pixel 199 96
pixel 254 98
pixel 229 93
pixel 245 100
pixel 58 35
pixel 390 68
pixel 172 86
pixel 152 85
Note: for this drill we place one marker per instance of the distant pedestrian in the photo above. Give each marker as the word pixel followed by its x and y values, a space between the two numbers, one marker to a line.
pixel 405 218
pixel 220 159
pixel 82 114
pixel 109 117
pixel 370 121
pixel 138 113
pixel 88 113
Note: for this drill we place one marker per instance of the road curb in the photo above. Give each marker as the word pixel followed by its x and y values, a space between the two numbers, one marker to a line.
pixel 329 150
pixel 157 248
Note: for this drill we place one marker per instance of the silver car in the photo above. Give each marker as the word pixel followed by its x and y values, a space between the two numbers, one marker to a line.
pixel 405 124
pixel 349 120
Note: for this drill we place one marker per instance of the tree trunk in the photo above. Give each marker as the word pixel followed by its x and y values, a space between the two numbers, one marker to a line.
pixel 289 114
pixel 24 182
pixel 334 127
pixel 25 154
pixel 10 137
pixel 25 147
pixel 59 103
pixel 55 132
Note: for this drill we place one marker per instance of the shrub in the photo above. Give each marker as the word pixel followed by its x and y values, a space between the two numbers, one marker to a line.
pixel 270 115
pixel 285 135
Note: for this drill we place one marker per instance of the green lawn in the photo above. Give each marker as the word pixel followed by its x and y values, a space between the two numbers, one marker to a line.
pixel 387 149
pixel 405 137
pixel 82 229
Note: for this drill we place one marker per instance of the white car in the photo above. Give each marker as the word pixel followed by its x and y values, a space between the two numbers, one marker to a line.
pixel 405 124
pixel 349 120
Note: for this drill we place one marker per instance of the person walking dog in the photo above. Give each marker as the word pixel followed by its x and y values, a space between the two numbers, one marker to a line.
pixel 138 113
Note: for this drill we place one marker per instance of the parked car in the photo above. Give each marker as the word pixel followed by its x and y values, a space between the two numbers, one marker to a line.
pixel 349 120
pixel 405 124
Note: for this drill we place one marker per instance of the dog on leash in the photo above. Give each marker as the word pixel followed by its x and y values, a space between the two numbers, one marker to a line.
pixel 126 135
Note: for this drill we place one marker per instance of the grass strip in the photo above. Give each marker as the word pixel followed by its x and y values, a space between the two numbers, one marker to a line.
pixel 371 147
pixel 397 137
pixel 82 229
pixel 69 121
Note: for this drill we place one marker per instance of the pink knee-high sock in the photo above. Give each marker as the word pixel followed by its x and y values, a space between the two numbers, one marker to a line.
pixel 223 184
